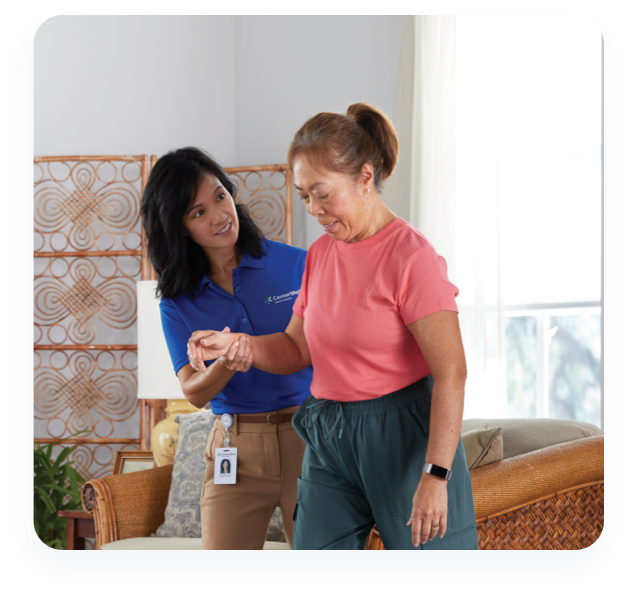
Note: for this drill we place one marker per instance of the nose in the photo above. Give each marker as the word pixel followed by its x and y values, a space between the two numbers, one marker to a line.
pixel 217 215
pixel 314 209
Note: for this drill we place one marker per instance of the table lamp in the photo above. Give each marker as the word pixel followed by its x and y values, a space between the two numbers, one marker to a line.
pixel 156 378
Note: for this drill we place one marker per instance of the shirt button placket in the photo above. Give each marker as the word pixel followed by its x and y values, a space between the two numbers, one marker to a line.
pixel 242 309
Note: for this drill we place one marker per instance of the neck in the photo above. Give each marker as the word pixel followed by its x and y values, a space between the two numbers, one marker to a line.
pixel 223 260
pixel 377 216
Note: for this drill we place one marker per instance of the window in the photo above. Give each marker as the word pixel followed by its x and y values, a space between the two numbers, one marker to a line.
pixel 529 163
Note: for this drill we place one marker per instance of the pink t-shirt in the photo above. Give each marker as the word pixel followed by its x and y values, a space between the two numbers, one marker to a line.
pixel 356 300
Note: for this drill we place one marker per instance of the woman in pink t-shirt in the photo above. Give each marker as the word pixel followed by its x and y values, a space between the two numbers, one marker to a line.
pixel 377 319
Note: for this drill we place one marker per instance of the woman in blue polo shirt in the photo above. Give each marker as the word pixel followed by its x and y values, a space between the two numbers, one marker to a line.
pixel 214 269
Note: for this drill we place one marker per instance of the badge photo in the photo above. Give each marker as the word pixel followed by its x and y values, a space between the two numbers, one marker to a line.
pixel 225 466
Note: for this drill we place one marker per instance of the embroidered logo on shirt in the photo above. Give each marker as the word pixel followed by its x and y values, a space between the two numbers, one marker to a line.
pixel 277 299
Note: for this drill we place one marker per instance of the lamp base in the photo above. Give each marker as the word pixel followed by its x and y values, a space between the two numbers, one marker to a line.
pixel 165 434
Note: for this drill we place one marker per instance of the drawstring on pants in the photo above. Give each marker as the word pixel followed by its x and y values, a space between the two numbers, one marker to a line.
pixel 311 417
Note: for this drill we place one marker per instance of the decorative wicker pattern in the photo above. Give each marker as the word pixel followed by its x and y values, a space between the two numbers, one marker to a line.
pixel 87 205
pixel 89 254
pixel 84 301
pixel 569 521
pixel 551 498
pixel 129 505
pixel 267 192
pixel 88 257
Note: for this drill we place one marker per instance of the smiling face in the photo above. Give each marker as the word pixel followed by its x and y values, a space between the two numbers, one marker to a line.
pixel 343 207
pixel 211 218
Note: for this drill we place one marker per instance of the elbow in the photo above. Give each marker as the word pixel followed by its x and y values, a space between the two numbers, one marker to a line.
pixel 455 376
pixel 195 398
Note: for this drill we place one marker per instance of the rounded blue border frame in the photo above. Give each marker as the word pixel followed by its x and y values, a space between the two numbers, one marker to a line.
pixel 76 568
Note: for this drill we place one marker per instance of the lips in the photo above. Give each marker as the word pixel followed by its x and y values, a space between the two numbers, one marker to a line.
pixel 225 229
pixel 330 226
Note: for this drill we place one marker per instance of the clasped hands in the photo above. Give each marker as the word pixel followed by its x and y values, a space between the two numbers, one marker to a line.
pixel 232 350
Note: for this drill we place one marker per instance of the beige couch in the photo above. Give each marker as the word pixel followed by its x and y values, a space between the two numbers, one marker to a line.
pixel 537 484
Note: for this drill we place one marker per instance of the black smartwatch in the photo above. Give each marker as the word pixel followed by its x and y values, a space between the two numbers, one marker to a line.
pixel 437 471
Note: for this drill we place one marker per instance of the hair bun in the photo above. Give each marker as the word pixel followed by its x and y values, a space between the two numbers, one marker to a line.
pixel 381 131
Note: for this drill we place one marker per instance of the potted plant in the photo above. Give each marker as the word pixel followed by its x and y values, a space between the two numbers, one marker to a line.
pixel 56 487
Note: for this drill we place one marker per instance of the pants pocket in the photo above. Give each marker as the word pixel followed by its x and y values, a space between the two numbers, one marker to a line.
pixel 209 452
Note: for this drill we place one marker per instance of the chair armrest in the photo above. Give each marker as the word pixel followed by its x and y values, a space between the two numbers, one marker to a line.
pixel 511 483
pixel 128 505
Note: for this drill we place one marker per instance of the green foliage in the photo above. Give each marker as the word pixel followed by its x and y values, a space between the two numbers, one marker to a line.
pixel 56 487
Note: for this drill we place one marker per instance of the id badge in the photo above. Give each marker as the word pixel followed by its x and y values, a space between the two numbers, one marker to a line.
pixel 225 465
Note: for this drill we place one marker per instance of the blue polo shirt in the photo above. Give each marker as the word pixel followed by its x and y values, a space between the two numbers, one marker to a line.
pixel 265 290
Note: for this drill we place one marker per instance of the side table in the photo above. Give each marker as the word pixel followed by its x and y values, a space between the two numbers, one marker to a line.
pixel 80 525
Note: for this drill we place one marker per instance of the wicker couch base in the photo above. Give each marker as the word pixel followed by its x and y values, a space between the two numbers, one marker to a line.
pixel 571 520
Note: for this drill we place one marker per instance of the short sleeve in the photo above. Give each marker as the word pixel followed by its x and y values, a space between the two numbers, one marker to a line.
pixel 300 304
pixel 424 286
pixel 176 334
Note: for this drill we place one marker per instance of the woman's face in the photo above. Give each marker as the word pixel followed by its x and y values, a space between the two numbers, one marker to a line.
pixel 225 466
pixel 211 218
pixel 338 203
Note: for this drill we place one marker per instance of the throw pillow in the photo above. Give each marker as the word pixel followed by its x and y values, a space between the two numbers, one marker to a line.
pixel 182 517
pixel 482 447
pixel 521 436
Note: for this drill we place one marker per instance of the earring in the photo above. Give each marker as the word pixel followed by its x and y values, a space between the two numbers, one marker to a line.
pixel 367 189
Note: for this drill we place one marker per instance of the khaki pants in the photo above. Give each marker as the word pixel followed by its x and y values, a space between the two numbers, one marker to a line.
pixel 269 458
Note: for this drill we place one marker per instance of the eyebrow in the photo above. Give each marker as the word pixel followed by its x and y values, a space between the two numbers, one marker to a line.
pixel 199 205
pixel 310 187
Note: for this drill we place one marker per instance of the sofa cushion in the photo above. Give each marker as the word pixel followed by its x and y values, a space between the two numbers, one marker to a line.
pixel 182 517
pixel 172 543
pixel 483 446
pixel 520 436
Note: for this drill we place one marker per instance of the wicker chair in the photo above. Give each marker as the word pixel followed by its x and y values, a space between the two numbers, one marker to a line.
pixel 549 499
pixel 128 505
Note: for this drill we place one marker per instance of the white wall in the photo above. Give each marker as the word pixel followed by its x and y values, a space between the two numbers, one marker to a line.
pixel 114 85
pixel 292 67
pixel 238 86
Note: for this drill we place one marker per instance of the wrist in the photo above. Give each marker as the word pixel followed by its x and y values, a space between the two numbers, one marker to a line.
pixel 436 471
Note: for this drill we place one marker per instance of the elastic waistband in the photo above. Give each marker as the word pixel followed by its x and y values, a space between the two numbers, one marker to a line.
pixel 422 389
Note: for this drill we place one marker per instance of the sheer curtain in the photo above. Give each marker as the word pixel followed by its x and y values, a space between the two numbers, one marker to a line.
pixel 455 189
pixel 505 123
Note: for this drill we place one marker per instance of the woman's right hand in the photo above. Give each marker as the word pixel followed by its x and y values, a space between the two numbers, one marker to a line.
pixel 205 345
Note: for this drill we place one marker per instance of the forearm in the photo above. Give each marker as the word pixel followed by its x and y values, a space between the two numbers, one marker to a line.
pixel 277 354
pixel 445 420
pixel 201 387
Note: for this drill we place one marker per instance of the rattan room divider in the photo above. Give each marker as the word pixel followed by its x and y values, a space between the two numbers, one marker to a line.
pixel 89 251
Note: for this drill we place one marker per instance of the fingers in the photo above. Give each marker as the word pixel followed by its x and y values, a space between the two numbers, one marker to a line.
pixel 239 356
pixel 425 528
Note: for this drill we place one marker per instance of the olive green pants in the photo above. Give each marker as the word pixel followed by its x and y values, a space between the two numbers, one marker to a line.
pixel 362 464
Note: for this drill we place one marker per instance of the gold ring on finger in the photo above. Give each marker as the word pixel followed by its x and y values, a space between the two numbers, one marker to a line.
pixel 435 526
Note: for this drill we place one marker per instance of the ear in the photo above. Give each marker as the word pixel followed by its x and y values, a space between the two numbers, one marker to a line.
pixel 366 175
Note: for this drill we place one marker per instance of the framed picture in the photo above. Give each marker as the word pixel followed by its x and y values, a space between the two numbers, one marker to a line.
pixel 128 461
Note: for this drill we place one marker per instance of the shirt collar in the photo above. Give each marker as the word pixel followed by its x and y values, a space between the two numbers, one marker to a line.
pixel 247 261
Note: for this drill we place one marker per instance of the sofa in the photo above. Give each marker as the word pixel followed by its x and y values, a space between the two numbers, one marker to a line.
pixel 537 484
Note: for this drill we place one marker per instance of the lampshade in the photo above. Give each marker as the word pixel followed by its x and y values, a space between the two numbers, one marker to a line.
pixel 156 378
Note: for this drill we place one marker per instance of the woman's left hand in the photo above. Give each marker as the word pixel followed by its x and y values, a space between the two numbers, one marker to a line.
pixel 239 356
pixel 429 509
